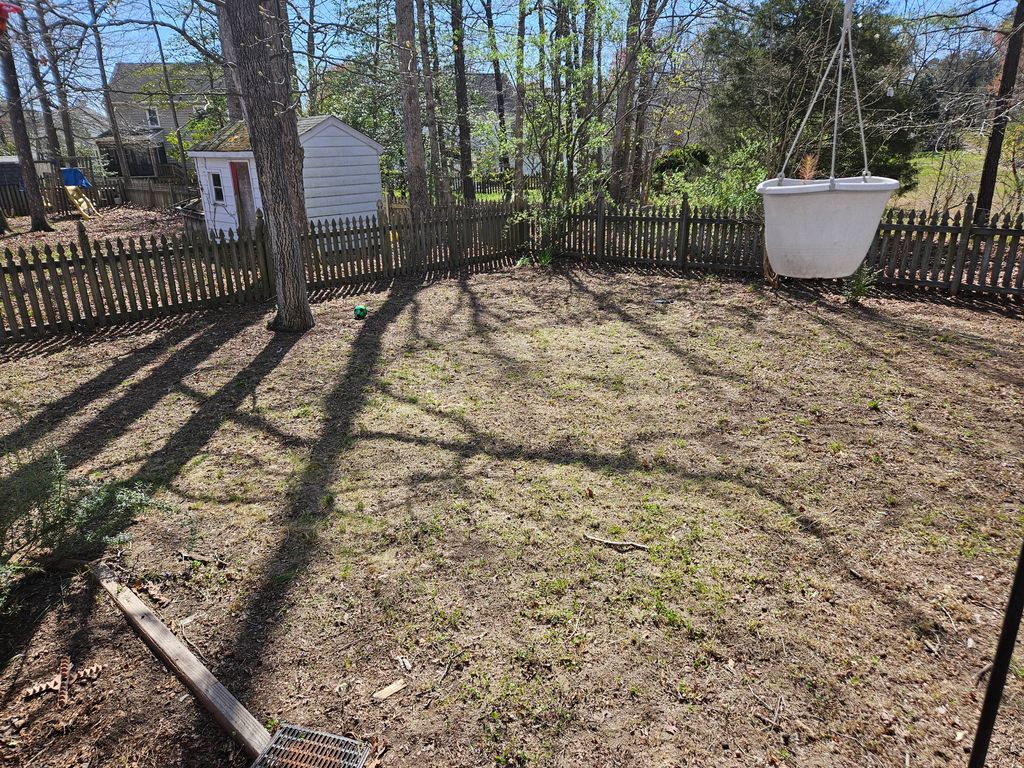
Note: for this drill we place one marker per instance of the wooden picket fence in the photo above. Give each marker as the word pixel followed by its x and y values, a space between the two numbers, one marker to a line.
pixel 90 284
pixel 950 252
pixel 142 193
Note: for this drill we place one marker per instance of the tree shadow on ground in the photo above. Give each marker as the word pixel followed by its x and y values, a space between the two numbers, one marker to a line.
pixel 36 594
pixel 294 552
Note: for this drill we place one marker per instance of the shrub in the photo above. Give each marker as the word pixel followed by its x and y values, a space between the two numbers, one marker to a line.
pixel 729 182
pixel 55 517
pixel 859 285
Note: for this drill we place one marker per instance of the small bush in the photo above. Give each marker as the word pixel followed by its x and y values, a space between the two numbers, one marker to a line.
pixel 55 517
pixel 860 284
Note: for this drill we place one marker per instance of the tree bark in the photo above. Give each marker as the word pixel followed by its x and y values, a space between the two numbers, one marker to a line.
pixel 412 127
pixel 618 181
pixel 58 81
pixel 52 142
pixel 518 179
pixel 1001 112
pixel 236 109
pixel 257 33
pixel 438 168
pixel 499 89
pixel 16 114
pixel 312 79
pixel 587 73
pixel 108 102
pixel 644 91
pixel 462 103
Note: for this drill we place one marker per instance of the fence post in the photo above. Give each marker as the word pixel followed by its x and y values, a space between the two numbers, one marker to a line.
pixel 683 235
pixel 266 258
pixel 599 245
pixel 454 249
pixel 384 223
pixel 84 248
pixel 961 247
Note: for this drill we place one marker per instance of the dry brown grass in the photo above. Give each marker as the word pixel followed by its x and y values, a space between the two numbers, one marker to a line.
pixel 831 498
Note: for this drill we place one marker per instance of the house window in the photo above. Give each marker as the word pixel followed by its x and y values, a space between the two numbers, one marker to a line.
pixel 153 117
pixel 218 187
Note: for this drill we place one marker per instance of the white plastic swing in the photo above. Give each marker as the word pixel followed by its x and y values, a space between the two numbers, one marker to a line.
pixel 824 228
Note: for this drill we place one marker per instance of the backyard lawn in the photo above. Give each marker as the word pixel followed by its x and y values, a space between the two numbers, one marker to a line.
pixel 827 502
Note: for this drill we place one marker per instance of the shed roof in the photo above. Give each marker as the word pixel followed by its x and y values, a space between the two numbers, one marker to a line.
pixel 234 137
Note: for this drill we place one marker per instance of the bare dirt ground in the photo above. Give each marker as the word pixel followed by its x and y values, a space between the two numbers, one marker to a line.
pixel 830 498
pixel 124 222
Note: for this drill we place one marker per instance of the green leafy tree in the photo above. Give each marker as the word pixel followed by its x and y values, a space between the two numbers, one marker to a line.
pixel 769 64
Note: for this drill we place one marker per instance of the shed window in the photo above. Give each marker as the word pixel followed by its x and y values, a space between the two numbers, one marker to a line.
pixel 153 117
pixel 218 187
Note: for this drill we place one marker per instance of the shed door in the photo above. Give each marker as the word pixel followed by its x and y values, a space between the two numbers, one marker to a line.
pixel 246 203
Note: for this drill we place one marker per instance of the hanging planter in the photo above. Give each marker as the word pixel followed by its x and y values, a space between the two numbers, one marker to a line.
pixel 823 228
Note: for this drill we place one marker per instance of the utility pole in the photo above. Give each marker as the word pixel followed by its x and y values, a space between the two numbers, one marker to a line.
pixel 1001 116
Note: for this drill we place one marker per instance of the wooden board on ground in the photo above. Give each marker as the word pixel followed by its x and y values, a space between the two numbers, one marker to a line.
pixel 215 698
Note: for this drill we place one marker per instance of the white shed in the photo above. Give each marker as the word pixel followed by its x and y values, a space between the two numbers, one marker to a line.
pixel 340 173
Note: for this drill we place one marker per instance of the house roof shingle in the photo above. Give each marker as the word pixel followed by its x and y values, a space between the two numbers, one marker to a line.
pixel 234 137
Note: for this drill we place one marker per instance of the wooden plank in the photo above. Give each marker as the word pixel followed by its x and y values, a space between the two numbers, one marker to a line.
pixel 8 286
pixel 229 713
pixel 63 259
pixel 57 285
pixel 132 287
pixel 85 295
pixel 115 279
pixel 36 324
pixel 186 254
pixel 44 292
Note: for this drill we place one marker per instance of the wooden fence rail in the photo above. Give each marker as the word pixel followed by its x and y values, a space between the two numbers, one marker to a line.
pixel 88 284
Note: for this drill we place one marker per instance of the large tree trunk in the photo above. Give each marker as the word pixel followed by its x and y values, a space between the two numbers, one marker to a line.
pixel 438 168
pixel 412 128
pixel 52 142
pixel 462 103
pixel 499 88
pixel 16 114
pixel 312 78
pixel 645 90
pixel 518 179
pixel 236 109
pixel 587 73
pixel 108 102
pixel 257 35
pixel 58 81
pixel 625 86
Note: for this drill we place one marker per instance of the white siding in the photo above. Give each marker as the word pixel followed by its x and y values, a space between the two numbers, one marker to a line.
pixel 220 215
pixel 341 173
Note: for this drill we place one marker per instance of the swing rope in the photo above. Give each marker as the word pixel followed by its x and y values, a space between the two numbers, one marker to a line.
pixel 845 36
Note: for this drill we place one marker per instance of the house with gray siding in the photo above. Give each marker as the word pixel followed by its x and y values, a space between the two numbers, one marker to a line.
pixel 142 108
pixel 340 173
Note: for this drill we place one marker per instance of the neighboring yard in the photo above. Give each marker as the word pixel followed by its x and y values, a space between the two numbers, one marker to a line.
pixel 830 497
pixel 112 223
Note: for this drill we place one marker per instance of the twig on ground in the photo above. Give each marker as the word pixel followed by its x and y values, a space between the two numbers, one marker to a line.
pixel 622 546
pixel 980 675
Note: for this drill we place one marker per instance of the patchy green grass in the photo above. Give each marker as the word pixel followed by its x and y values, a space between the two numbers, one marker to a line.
pixel 822 505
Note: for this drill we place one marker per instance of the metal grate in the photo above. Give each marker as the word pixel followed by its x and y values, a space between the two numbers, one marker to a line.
pixel 296 747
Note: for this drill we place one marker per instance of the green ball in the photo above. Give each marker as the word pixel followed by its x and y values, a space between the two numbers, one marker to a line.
pixel 359 312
